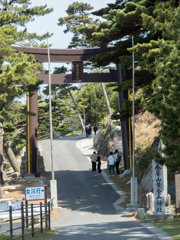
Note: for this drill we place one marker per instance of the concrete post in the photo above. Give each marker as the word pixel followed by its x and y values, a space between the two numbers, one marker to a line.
pixel 53 187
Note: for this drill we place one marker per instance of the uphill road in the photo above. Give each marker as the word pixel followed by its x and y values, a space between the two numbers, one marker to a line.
pixel 85 197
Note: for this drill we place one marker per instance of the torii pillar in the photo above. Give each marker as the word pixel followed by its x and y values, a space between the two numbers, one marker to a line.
pixel 33 125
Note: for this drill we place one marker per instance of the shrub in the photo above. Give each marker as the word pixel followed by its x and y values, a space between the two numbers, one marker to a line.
pixel 103 123
pixel 146 157
pixel 103 131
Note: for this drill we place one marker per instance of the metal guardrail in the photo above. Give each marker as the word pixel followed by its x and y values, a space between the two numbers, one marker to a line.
pixel 59 134
pixel 29 220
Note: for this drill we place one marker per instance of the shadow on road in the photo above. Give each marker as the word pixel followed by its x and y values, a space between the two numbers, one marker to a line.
pixel 111 230
pixel 84 191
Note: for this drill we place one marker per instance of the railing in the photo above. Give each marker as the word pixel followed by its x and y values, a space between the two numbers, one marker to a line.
pixel 60 134
pixel 30 215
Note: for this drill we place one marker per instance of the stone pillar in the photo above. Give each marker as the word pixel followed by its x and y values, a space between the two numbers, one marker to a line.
pixel 165 177
pixel 159 193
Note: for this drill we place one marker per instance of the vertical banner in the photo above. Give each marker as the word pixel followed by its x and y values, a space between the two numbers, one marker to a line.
pixel 77 71
pixel 158 183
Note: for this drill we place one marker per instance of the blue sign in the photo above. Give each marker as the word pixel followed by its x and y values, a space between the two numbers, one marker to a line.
pixel 34 193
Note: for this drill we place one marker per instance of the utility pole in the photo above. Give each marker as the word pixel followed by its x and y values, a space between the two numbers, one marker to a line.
pixel 53 182
pixel 133 178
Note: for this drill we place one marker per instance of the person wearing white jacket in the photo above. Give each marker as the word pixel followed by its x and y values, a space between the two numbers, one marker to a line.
pixel 111 162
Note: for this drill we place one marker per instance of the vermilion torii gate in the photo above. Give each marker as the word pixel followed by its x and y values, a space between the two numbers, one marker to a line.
pixel 70 56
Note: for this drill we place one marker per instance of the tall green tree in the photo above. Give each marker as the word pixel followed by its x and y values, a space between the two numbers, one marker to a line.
pixel 17 68
pixel 96 108
pixel 78 14
pixel 164 100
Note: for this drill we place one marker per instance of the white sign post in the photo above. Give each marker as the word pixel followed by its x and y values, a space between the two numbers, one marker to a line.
pixel 35 193
pixel 158 182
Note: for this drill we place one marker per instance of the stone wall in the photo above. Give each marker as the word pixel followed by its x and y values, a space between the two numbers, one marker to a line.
pixel 40 164
pixel 104 140
pixel 145 179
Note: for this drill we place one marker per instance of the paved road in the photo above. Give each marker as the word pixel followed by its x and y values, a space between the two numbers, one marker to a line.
pixel 86 198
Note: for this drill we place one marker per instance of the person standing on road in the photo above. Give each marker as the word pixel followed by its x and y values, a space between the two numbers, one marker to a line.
pixel 95 129
pixel 99 163
pixel 111 163
pixel 93 160
pixel 86 130
pixel 89 131
pixel 117 158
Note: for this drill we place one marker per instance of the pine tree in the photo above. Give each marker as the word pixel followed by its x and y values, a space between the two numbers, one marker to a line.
pixel 17 68
pixel 77 15
pixel 19 13
pixel 96 108
pixel 164 102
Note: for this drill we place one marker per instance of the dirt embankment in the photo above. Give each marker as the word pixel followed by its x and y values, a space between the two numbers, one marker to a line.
pixel 147 128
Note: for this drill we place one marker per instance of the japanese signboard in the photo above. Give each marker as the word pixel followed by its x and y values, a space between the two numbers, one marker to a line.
pixel 77 71
pixel 158 183
pixel 177 189
pixel 34 193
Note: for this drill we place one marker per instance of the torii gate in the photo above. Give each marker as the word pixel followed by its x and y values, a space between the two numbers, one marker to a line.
pixel 75 56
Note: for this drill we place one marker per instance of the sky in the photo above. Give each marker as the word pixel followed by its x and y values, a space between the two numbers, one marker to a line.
pixel 48 23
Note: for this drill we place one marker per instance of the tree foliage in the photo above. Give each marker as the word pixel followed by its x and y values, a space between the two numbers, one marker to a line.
pixel 164 101
pixel 77 15
pixel 95 105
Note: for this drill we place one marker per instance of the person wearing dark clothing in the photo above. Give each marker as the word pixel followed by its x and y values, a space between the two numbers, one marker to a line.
pixel 89 131
pixel 117 158
pixel 86 130
pixel 99 163
pixel 95 129
pixel 93 160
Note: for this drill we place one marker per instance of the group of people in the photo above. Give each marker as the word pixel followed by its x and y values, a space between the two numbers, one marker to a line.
pixel 95 158
pixel 113 160
pixel 88 130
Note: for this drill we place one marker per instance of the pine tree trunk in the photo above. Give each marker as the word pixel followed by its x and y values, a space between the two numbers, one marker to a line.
pixel 106 98
pixel 83 127
pixel 11 157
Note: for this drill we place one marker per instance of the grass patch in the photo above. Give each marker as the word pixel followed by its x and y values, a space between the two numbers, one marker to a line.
pixel 169 226
pixel 73 133
pixel 3 237
pixel 40 236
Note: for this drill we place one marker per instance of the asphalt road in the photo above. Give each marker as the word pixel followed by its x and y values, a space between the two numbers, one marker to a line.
pixel 86 198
